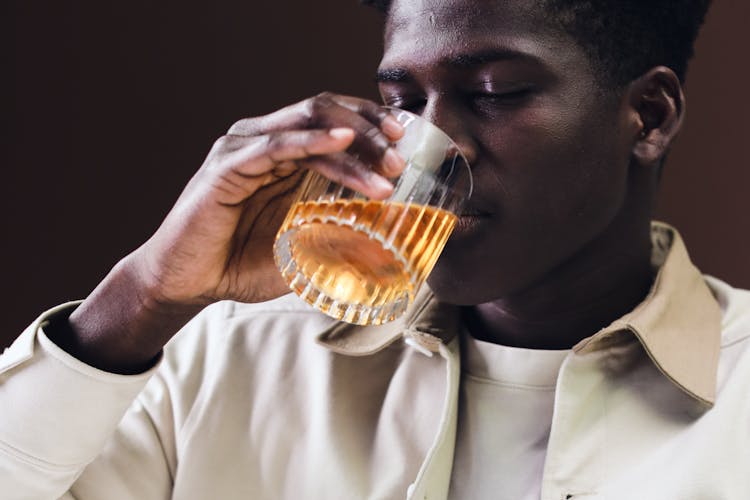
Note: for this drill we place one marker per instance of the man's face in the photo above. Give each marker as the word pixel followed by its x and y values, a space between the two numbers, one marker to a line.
pixel 549 160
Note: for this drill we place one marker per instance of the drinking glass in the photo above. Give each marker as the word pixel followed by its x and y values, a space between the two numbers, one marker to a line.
pixel 361 260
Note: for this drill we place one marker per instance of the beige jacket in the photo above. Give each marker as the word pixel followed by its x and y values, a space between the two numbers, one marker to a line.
pixel 246 404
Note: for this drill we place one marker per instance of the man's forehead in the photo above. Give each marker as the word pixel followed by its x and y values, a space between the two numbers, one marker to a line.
pixel 464 16
pixel 440 29
pixel 405 12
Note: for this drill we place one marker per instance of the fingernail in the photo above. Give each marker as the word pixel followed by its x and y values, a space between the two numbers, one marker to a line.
pixel 341 133
pixel 392 127
pixel 393 162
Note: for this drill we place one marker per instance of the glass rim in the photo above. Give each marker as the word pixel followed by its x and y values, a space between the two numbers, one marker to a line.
pixel 393 109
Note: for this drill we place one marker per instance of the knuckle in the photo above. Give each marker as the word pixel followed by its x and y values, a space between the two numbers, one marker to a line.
pixel 325 95
pixel 377 138
pixel 260 143
pixel 380 113
pixel 220 144
pixel 316 106
pixel 353 164
pixel 245 126
pixel 308 112
pixel 271 142
pixel 372 133
pixel 373 109
pixel 227 147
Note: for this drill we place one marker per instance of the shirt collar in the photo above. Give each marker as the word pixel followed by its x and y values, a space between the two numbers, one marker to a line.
pixel 678 323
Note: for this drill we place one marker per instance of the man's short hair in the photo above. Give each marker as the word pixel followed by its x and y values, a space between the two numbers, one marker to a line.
pixel 625 38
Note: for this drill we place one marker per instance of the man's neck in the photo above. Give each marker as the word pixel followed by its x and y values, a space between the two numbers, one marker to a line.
pixel 571 303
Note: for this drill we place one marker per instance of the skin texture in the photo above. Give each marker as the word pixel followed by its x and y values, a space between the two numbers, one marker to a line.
pixel 553 245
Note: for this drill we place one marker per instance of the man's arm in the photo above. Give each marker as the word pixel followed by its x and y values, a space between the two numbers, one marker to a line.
pixel 63 395
pixel 216 242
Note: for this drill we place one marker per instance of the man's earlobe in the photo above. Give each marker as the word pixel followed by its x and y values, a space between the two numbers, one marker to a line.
pixel 658 106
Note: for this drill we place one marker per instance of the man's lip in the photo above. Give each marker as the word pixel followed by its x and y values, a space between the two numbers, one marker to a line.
pixel 474 210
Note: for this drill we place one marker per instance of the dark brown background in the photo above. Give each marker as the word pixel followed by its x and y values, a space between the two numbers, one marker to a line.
pixel 112 106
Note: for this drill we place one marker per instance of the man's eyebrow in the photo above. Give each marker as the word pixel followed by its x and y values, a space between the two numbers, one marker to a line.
pixel 392 75
pixel 460 61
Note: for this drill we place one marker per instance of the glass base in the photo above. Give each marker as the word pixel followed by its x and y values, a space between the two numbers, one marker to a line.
pixel 343 272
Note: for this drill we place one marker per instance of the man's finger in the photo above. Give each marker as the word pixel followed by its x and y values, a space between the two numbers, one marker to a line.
pixel 253 156
pixel 349 171
pixel 374 113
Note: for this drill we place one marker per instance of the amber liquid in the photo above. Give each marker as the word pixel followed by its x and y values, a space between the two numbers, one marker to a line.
pixel 358 260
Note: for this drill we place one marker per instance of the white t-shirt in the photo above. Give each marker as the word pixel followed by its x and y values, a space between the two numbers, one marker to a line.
pixel 505 413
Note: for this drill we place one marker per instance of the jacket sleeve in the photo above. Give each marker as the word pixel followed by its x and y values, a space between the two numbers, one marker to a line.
pixel 58 414
pixel 138 461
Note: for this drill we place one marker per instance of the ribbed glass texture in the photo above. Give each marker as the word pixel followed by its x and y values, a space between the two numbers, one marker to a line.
pixel 362 260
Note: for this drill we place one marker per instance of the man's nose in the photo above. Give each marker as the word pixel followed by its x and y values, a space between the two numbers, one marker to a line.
pixel 450 120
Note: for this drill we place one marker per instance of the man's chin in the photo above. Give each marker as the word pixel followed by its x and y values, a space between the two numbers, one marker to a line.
pixel 461 289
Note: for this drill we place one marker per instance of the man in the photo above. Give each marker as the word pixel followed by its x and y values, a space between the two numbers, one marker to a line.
pixel 580 354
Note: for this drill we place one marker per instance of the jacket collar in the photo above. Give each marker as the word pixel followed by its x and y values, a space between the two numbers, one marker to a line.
pixel 678 323
pixel 427 320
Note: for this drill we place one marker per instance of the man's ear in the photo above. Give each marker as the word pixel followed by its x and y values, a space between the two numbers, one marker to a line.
pixel 657 106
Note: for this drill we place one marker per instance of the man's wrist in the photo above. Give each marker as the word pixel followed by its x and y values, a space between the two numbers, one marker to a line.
pixel 117 328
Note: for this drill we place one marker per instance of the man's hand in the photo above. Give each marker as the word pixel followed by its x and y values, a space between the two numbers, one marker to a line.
pixel 216 242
